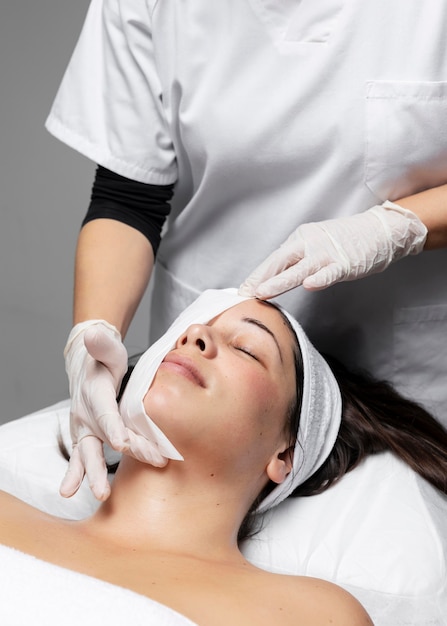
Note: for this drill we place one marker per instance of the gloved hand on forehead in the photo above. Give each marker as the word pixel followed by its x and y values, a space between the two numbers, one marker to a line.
pixel 96 362
pixel 320 254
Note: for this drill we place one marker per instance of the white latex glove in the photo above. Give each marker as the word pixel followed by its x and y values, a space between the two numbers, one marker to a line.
pixel 96 361
pixel 320 254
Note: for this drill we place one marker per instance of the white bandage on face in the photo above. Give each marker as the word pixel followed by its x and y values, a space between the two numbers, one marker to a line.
pixel 204 309
pixel 320 414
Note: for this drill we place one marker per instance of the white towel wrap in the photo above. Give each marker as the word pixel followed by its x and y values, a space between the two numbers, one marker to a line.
pixel 43 594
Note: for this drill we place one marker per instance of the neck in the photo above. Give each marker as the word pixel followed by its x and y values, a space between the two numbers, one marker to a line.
pixel 178 508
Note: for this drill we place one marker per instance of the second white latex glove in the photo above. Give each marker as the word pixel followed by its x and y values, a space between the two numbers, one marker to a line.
pixel 96 361
pixel 320 254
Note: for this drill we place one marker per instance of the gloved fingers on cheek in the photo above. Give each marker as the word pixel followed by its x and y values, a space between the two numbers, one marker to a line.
pixel 99 410
pixel 84 417
pixel 73 476
pixel 92 458
pixel 145 451
pixel 114 433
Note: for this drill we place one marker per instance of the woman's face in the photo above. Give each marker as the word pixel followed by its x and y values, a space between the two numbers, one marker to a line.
pixel 226 387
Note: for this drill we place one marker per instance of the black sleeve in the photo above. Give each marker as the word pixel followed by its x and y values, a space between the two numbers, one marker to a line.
pixel 140 205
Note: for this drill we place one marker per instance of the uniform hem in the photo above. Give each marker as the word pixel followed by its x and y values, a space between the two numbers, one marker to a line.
pixel 102 157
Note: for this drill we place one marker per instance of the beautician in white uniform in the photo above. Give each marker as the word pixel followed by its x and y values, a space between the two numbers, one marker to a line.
pixel 260 117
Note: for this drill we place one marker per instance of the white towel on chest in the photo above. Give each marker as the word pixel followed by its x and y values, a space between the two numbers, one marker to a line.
pixel 39 593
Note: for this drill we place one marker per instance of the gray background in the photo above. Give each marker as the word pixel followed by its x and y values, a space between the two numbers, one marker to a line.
pixel 45 188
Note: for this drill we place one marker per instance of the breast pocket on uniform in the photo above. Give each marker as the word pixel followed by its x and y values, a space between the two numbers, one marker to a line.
pixel 406 137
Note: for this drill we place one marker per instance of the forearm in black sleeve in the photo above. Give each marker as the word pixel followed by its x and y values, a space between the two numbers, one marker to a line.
pixel 140 205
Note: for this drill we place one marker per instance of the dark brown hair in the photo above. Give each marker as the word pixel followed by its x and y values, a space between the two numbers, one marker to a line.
pixel 375 418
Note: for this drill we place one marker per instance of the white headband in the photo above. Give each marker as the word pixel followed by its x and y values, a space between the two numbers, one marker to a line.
pixel 321 402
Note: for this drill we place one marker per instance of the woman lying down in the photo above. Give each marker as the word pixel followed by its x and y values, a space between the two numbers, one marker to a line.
pixel 237 391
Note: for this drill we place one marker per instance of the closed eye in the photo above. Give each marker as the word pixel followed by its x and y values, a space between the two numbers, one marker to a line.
pixel 247 351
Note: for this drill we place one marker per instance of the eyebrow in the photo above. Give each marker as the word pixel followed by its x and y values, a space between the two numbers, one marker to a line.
pixel 259 324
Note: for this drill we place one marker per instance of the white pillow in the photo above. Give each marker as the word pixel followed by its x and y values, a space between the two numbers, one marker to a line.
pixel 32 467
pixel 381 532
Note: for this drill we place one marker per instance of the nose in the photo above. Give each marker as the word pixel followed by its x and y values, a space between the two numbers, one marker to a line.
pixel 201 337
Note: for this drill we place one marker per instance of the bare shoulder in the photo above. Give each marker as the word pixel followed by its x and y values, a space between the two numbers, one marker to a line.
pixel 17 518
pixel 10 505
pixel 314 602
pixel 329 603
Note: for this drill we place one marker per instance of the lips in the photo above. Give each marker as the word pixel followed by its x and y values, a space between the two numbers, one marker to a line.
pixel 184 366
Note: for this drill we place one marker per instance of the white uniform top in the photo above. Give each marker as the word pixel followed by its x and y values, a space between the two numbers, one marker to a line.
pixel 269 114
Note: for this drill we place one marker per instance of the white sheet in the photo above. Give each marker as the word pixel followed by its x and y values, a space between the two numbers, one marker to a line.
pixel 36 592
